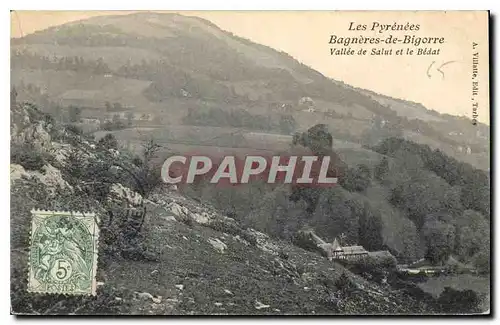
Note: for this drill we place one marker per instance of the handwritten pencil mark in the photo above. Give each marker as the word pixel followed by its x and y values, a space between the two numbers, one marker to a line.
pixel 442 65
pixel 429 69
pixel 439 69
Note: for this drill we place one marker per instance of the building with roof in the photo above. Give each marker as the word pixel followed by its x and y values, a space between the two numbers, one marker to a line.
pixel 337 252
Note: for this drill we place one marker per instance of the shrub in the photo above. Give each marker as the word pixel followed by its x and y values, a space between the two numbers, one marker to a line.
pixel 74 129
pixel 344 283
pixel 76 165
pixel 108 142
pixel 370 262
pixel 383 259
pixel 28 157
pixel 372 267
pixel 303 240
pixel 456 301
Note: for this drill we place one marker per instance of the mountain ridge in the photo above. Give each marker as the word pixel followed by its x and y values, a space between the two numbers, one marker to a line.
pixel 186 61
pixel 105 90
pixel 212 25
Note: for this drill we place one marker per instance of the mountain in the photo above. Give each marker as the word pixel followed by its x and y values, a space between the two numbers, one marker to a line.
pixel 159 67
pixel 90 102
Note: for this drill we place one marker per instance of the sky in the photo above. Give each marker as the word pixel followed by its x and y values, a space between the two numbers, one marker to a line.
pixel 306 36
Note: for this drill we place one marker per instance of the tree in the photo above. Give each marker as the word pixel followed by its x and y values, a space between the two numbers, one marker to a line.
pixel 381 169
pixel 472 234
pixel 474 183
pixel 319 139
pixel 370 229
pixel 476 194
pixel 337 212
pixel 130 118
pixel 457 301
pixel 410 240
pixel 117 123
pixel 424 195
pixel 274 213
pixel 297 139
pixel 439 237
pixel 149 172
pixel 76 164
pixel 357 179
pixel 100 66
pixel 287 124
pixel 108 142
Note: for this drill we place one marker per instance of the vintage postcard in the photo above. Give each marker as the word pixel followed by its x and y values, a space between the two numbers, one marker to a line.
pixel 250 163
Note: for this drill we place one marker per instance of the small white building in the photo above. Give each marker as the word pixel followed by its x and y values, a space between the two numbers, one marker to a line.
pixel 135 116
pixel 337 252
pixel 87 120
pixel 307 104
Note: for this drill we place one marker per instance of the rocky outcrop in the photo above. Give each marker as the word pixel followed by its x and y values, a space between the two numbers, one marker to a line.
pixel 184 213
pixel 217 244
pixel 26 129
pixel 118 192
pixel 38 136
pixel 50 176
pixel 60 152
pixel 17 172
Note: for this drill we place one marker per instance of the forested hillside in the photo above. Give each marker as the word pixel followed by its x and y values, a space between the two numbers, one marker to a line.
pixel 416 202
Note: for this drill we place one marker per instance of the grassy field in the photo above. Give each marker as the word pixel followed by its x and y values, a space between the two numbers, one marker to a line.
pixel 357 111
pixel 225 140
pixel 404 108
pixel 355 156
pixel 71 88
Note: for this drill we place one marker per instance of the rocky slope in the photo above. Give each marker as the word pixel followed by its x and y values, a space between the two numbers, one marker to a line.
pixel 186 258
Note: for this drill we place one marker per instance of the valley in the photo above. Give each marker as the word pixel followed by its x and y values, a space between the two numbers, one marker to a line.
pixel 98 105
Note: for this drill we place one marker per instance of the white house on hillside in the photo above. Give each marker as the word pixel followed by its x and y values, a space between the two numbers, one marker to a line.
pixel 335 251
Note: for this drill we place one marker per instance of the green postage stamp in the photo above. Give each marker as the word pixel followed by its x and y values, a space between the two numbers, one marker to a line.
pixel 63 253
